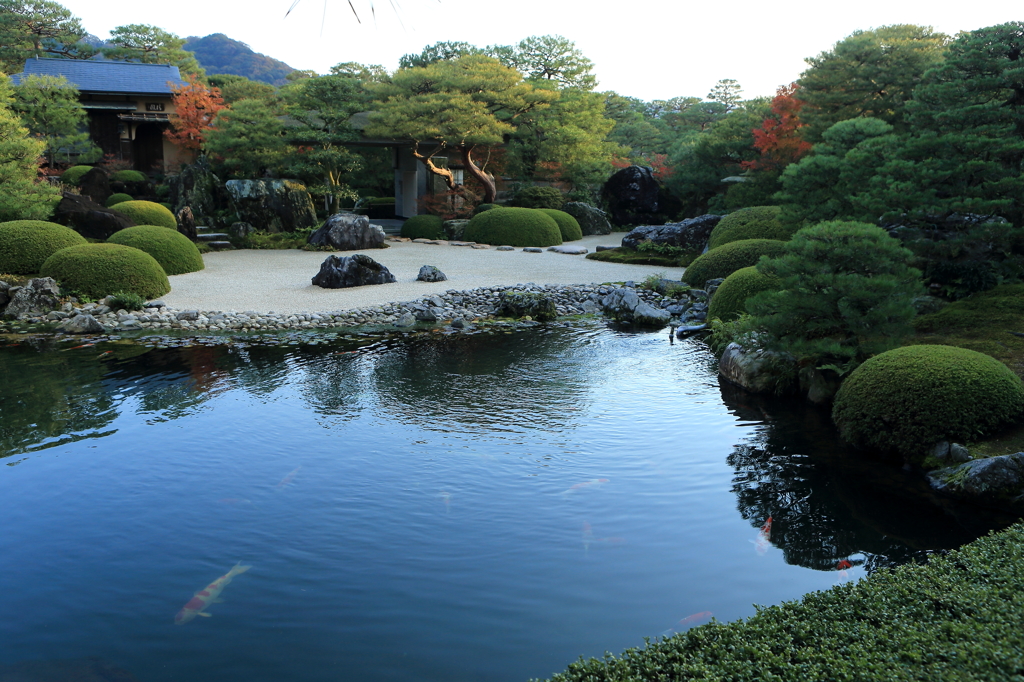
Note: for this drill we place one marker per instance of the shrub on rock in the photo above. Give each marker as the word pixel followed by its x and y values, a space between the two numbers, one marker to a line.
pixel 513 227
pixel 129 176
pixel 727 259
pixel 147 213
pixel 26 244
pixel 175 252
pixel 907 399
pixel 539 197
pixel 423 227
pixel 117 198
pixel 97 270
pixel 730 298
pixel 755 222
pixel 568 226
pixel 72 175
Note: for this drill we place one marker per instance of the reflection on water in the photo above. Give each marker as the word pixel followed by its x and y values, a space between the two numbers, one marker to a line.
pixel 423 507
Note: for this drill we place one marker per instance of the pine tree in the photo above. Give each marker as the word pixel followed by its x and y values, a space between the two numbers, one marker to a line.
pixel 24 196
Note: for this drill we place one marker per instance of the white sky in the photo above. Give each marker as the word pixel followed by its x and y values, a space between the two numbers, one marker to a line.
pixel 651 49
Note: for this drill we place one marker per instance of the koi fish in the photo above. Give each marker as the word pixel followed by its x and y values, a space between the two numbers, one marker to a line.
pixel 447 497
pixel 104 353
pixel 585 484
pixel 208 595
pixel 841 567
pixel 764 537
pixel 588 536
pixel 84 345
pixel 287 480
pixel 688 622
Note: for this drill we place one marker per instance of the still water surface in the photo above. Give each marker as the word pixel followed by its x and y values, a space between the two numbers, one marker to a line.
pixel 484 507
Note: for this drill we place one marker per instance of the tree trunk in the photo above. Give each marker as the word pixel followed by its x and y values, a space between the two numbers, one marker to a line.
pixel 485 179
pixel 428 162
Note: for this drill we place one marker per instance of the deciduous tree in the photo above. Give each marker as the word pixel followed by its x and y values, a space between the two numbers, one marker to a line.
pixel 195 107
pixel 779 139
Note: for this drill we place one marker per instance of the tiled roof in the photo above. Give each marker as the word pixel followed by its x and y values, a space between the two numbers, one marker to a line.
pixel 91 75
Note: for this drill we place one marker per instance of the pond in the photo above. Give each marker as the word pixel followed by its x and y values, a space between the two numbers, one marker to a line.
pixel 432 507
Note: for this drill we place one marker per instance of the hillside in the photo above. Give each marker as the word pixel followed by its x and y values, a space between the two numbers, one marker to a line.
pixel 219 54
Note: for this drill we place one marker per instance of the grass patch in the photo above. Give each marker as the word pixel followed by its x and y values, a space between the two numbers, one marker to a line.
pixel 634 257
pixel 276 240
pixel 16 280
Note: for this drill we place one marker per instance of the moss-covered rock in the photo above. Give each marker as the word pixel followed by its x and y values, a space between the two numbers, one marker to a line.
pixel 175 252
pixel 731 296
pixel 513 227
pixel 72 175
pixel 26 244
pixel 540 307
pixel 727 259
pixel 129 176
pixel 117 198
pixel 568 226
pixel 147 213
pixel 97 270
pixel 755 222
pixel 423 227
pixel 907 399
pixel 538 197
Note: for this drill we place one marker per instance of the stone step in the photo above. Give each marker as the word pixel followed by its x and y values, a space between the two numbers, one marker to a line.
pixel 220 246
pixel 212 236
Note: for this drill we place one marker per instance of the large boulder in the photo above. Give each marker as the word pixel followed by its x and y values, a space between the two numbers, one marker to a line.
pixel 625 305
pixel 632 196
pixel 691 234
pixel 992 481
pixel 592 220
pixel 338 272
pixel 272 205
pixel 95 184
pixel 186 222
pixel 89 219
pixel 348 232
pixel 39 295
pixel 429 273
pixel 197 187
pixel 5 295
pixel 758 371
pixel 538 306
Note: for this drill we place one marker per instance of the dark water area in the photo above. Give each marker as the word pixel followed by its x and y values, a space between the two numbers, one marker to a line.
pixel 465 507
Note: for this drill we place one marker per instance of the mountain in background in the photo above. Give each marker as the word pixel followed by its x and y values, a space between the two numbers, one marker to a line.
pixel 219 54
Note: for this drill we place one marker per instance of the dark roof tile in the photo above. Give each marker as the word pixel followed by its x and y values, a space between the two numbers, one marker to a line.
pixel 90 75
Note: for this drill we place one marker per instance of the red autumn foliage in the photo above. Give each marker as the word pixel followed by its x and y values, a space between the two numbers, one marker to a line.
pixel 778 139
pixel 195 107
pixel 658 163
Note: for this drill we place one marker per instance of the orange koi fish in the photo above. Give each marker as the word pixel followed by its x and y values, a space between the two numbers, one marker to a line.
pixel 585 484
pixel 841 567
pixel 208 595
pixel 688 622
pixel 764 537
pixel 84 345
pixel 287 480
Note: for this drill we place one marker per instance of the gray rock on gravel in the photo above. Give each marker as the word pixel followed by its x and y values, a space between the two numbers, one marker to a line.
pixel 348 232
pixel 82 323
pixel 429 273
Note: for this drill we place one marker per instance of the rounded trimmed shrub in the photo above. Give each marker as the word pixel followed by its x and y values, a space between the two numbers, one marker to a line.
pixel 730 298
pixel 129 176
pixel 117 198
pixel 513 227
pixel 175 252
pixel 26 244
pixel 727 259
pixel 539 197
pixel 423 227
pixel 908 399
pixel 755 222
pixel 147 213
pixel 72 175
pixel 567 225
pixel 97 270
pixel 485 207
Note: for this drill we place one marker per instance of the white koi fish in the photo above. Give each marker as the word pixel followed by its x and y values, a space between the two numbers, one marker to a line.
pixel 764 538
pixel 208 595
pixel 287 480
pixel 586 484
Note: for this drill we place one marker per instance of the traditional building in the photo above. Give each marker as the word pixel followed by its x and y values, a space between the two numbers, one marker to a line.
pixel 128 104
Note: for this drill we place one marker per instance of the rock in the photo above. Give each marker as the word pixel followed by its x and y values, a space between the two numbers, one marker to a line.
pixel 197 187
pixel 925 305
pixel 533 249
pixel 95 184
pixel 758 371
pixel 691 234
pixel 351 271
pixel 426 315
pixel 458 323
pixel 155 304
pixel 505 248
pixel 89 219
pixel 819 385
pixel 186 222
pixel 348 232
pixel 38 295
pixel 405 320
pixel 647 315
pixel 570 250
pixel 521 304
pixel 711 286
pixel 428 273
pixel 987 481
pixel 592 220
pixel 272 205
pixel 626 306
pixel 958 453
pixel 83 323
pixel 5 295
pixel 241 229
pixel 590 307
pixel 632 196
pixel 686 330
pixel 454 229
pixel 187 315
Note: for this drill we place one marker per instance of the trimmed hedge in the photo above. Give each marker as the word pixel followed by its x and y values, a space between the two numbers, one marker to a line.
pixel 908 399
pixel 956 618
pixel 730 299
pixel 725 260
pixel 485 207
pixel 755 222
pixel 117 198
pixel 539 197
pixel 97 270
pixel 72 175
pixel 147 213
pixel 423 227
pixel 567 225
pixel 175 252
pixel 129 176
pixel 26 244
pixel 513 227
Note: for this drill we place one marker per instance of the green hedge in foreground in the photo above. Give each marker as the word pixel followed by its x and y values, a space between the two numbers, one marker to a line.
pixel 957 618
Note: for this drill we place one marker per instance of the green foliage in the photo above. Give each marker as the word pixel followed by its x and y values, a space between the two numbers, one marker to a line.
pixel 234 88
pixel 221 55
pixel 175 252
pixel 956 618
pixel 150 44
pixel 23 197
pixel 147 213
pixel 679 255
pixel 116 198
pixel 634 257
pixel 846 293
pixel 755 222
pixel 548 58
pixel 74 174
pixel 727 259
pixel 126 301
pixel 247 140
pixel 129 176
pixel 910 398
pixel 513 227
pixel 480 208
pixel 538 197
pixel 26 244
pixel 39 28
pixel 49 107
pixel 423 226
pixel 298 239
pixel 730 299
pixel 96 270
pixel 567 225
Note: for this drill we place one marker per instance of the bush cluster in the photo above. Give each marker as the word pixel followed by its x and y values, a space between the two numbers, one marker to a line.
pixel 74 174
pixel 117 198
pixel 26 244
pixel 754 222
pixel 730 299
pixel 727 259
pixel 175 252
pixel 907 399
pixel 480 208
pixel 147 213
pixel 129 176
pixel 567 225
pixel 97 270
pixel 539 197
pixel 424 226
pixel 513 227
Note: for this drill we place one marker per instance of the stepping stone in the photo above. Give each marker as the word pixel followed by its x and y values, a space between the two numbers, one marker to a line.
pixel 212 237
pixel 571 250
pixel 221 246
pixel 533 249
pixel 506 248
pixel 461 243
pixel 482 246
